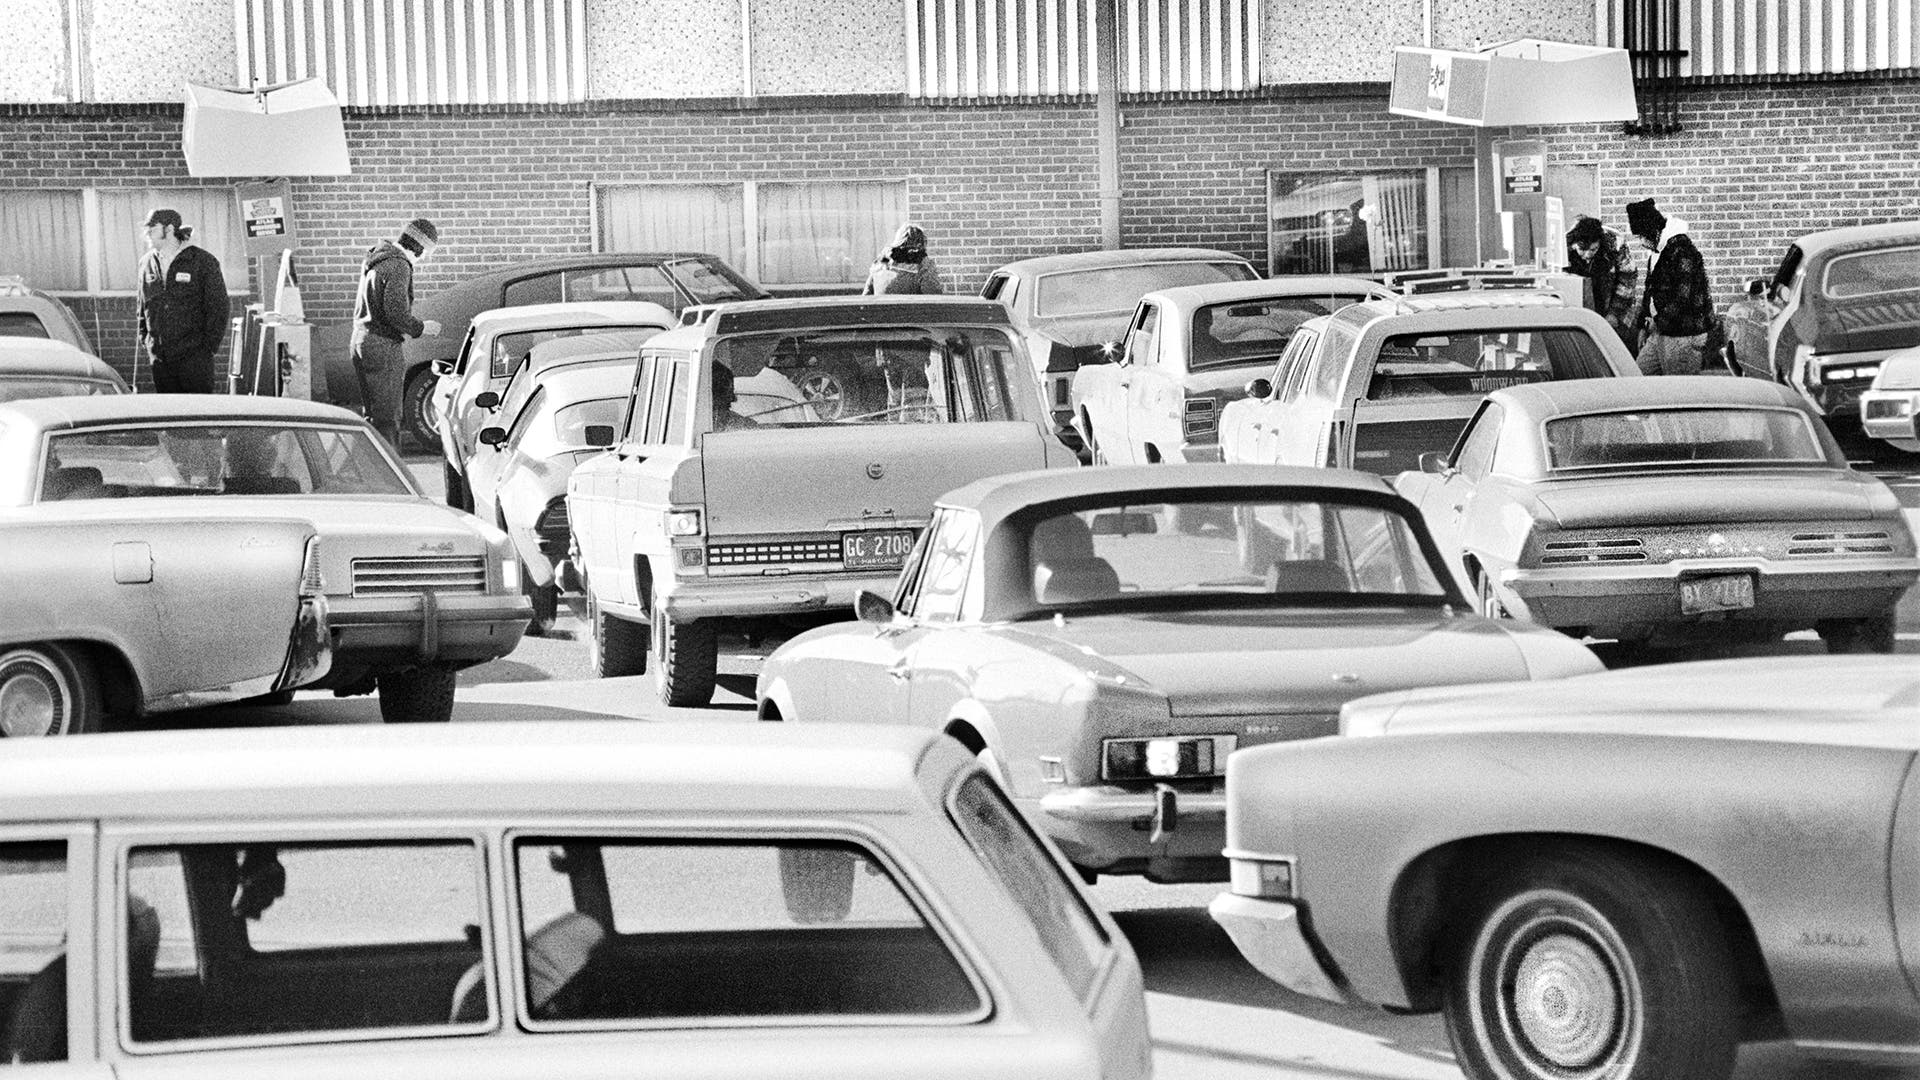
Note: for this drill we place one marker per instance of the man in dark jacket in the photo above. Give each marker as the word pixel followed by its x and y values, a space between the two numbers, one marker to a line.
pixel 1594 252
pixel 183 312
pixel 1678 307
pixel 383 319
pixel 905 267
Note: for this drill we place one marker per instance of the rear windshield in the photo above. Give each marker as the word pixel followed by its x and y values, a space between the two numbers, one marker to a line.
pixel 22 324
pixel 1470 363
pixel 227 459
pixel 22 389
pixel 1871 273
pixel 512 350
pixel 878 375
pixel 1253 332
pixel 1683 436
pixel 712 281
pixel 1119 288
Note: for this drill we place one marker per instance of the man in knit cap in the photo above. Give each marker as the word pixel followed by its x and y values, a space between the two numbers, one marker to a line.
pixel 383 319
pixel 1677 309
pixel 182 308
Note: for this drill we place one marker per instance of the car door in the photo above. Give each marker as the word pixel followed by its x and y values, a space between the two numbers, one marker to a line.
pixel 871 674
pixel 491 466
pixel 447 376
pixel 1304 429
pixel 1462 507
pixel 462 424
pixel 595 485
pixel 1289 381
pixel 1132 385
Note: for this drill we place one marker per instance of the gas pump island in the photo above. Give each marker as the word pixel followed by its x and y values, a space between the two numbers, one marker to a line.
pixel 290 129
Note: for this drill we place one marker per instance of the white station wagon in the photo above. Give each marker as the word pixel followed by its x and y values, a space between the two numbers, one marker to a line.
pixel 591 900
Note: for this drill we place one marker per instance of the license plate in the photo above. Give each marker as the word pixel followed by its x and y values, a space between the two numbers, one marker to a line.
pixel 1722 592
pixel 876 549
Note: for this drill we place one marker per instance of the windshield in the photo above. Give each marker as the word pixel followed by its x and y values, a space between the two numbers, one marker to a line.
pixel 1683 437
pixel 1246 551
pixel 1253 332
pixel 1116 289
pixel 1473 362
pixel 227 459
pixel 873 375
pixel 712 281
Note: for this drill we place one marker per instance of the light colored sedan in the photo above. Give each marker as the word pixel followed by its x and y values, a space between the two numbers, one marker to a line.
pixel 1105 638
pixel 1890 408
pixel 520 901
pixel 415 591
pixel 1616 876
pixel 1668 510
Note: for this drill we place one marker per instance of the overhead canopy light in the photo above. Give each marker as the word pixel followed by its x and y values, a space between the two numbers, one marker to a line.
pixel 1528 82
pixel 289 129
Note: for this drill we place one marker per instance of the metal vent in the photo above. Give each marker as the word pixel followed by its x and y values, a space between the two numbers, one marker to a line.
pixel 408 574
pixel 780 551
pixel 1834 544
pixel 1619 549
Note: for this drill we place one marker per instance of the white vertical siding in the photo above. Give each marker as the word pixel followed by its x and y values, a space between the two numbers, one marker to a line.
pixel 1764 37
pixel 991 48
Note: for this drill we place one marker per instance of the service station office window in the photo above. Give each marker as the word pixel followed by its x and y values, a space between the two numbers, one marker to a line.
pixel 92 240
pixel 800 236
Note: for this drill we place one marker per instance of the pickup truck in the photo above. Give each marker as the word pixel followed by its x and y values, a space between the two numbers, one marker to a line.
pixel 779 456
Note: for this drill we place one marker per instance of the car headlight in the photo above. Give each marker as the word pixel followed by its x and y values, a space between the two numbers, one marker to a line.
pixel 683 523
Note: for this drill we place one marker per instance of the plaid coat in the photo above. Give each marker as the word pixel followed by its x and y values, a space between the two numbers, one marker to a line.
pixel 1679 302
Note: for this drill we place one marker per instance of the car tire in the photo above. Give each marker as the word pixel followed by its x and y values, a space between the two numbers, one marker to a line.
pixel 416 695
pixel 615 647
pixel 1873 634
pixel 416 409
pixel 48 690
pixel 459 496
pixel 1591 964
pixel 686 660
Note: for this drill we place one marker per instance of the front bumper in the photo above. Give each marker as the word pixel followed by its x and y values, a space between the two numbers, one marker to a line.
pixel 787 594
pixel 1797 595
pixel 1164 834
pixel 404 631
pixel 1272 936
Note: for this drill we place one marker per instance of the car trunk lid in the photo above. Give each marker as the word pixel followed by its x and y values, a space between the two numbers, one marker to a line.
pixel 1648 498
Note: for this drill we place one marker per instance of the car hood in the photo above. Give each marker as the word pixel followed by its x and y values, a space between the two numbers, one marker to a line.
pixel 1829 700
pixel 1247 663
pixel 1647 498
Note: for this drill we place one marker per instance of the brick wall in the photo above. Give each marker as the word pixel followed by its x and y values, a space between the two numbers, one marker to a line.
pixel 1759 164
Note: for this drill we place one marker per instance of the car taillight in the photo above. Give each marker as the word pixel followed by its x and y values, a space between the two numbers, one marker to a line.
pixel 1266 879
pixel 1172 758
pixel 1200 418
pixel 1061 388
pixel 311 582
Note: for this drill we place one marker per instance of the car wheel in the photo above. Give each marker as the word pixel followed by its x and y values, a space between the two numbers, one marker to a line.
pixel 416 695
pixel 47 690
pixel 827 392
pixel 1590 965
pixel 1873 634
pixel 459 496
pixel 416 409
pixel 615 647
pixel 686 658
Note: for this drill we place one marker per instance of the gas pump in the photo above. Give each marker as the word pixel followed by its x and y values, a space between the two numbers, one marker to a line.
pixel 273 348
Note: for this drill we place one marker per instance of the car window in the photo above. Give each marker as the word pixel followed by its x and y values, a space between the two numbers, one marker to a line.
pixel 22 324
pixel 1873 273
pixel 1032 875
pixel 571 422
pixel 1142 340
pixel 649 283
pixel 727 931
pixel 1470 363
pixel 1290 374
pixel 942 590
pixel 230 459
pixel 539 289
pixel 1474 456
pixel 906 591
pixel 921 374
pixel 1683 437
pixel 466 352
pixel 310 937
pixel 1332 360
pixel 995 286
pixel 595 345
pixel 677 425
pixel 1252 332
pixel 661 380
pixel 1117 289
pixel 33 942
pixel 709 281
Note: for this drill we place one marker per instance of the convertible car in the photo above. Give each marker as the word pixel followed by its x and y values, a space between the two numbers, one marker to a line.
pixel 1105 638
pixel 414 590
pixel 1615 876
pixel 1665 510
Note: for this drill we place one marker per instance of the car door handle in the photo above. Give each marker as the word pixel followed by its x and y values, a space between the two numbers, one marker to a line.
pixel 1126 382
pixel 899 671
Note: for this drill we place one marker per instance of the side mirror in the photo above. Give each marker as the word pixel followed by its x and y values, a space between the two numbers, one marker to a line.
pixel 1260 389
pixel 1433 461
pixel 596 434
pixel 487 400
pixel 493 436
pixel 443 367
pixel 871 607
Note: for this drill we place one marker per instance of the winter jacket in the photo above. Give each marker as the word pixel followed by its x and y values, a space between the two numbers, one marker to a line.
pixel 384 303
pixel 888 277
pixel 1615 274
pixel 186 314
pixel 1679 301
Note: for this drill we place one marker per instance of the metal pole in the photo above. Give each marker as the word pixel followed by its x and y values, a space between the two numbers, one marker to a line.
pixel 1107 113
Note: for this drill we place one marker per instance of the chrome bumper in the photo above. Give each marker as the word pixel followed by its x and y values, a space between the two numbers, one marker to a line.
pixel 310 650
pixel 426 628
pixel 1270 935
pixel 1618 595
pixel 733 597
pixel 1162 830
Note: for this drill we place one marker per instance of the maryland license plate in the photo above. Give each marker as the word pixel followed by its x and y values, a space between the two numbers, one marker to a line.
pixel 876 549
pixel 1721 592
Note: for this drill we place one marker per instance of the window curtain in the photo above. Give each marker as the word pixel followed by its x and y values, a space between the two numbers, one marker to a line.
pixel 1397 233
pixel 674 217
pixel 42 239
pixel 827 233
pixel 210 212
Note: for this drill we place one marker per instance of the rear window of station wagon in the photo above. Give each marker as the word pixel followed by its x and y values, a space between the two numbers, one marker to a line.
pixel 1119 288
pixel 1475 362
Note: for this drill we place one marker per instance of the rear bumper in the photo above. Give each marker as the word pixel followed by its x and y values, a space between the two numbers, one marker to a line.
pixel 1115 830
pixel 1795 596
pixel 403 631
pixel 310 652
pixel 1273 937
pixel 793 594
pixel 1835 383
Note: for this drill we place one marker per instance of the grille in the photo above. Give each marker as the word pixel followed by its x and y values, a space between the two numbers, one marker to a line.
pixel 1619 549
pixel 409 574
pixel 774 551
pixel 1817 545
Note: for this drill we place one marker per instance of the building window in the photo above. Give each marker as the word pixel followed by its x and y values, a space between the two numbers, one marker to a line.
pixel 427 52
pixel 40 239
pixel 1343 223
pixel 820 234
pixel 91 241
pixel 209 212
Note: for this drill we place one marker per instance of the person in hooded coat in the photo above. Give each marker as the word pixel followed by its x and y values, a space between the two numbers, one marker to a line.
pixel 1595 253
pixel 905 267
pixel 383 320
pixel 1677 310
pixel 183 310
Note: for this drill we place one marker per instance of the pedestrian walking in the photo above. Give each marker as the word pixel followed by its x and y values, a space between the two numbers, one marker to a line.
pixel 183 308
pixel 1596 253
pixel 383 320
pixel 1677 310
pixel 905 267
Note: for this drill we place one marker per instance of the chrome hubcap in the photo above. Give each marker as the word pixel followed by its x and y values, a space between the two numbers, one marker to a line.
pixel 1566 1001
pixel 32 701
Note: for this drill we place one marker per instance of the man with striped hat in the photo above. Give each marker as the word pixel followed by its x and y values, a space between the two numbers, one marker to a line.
pixel 383 320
